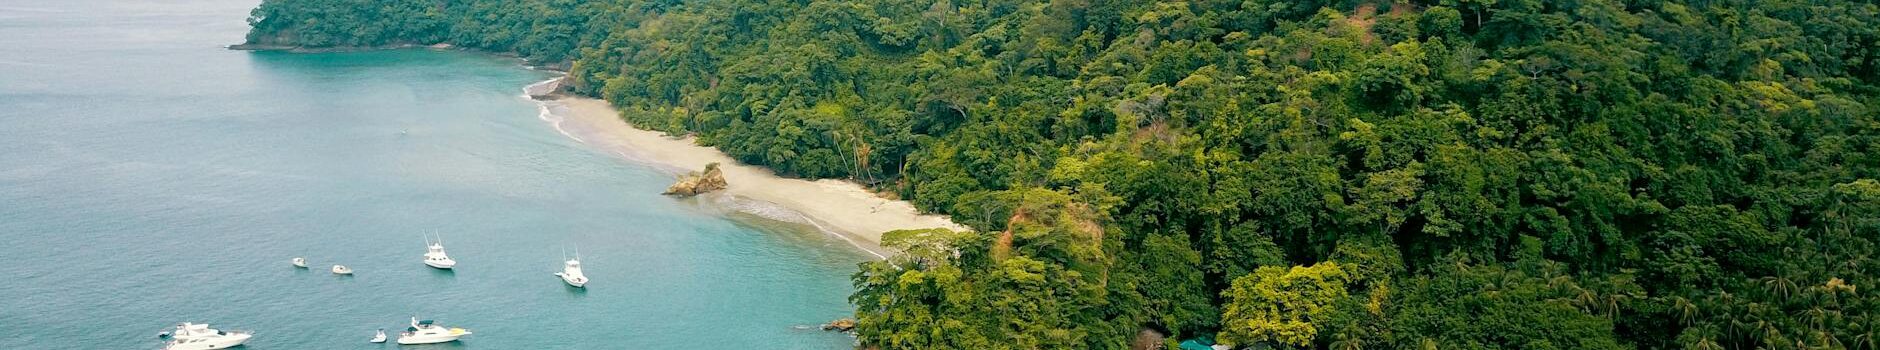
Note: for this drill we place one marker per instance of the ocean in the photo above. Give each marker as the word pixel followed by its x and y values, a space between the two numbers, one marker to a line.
pixel 148 177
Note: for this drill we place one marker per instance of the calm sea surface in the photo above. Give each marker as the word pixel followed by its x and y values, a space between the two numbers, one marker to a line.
pixel 149 177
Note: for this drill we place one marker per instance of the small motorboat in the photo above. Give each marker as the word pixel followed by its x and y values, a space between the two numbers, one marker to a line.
pixel 428 332
pixel 191 336
pixel 571 273
pixel 341 270
pixel 300 262
pixel 434 254
pixel 380 338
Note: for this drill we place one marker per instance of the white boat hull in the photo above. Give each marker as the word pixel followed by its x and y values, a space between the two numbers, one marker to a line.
pixel 572 280
pixel 430 338
pixel 425 340
pixel 434 255
pixel 204 343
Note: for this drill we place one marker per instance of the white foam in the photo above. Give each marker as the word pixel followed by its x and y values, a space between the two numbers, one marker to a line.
pixel 541 87
pixel 551 111
pixel 547 114
pixel 845 238
pixel 773 211
pixel 545 109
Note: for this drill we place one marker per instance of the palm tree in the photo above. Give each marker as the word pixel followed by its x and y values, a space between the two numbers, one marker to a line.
pixel 1706 338
pixel 1705 343
pixel 1823 340
pixel 1586 298
pixel 1817 316
pixel 1687 312
pixel 1864 332
pixel 1771 335
pixel 1756 328
pixel 1740 330
pixel 1611 304
pixel 1557 281
pixel 1551 269
pixel 1779 286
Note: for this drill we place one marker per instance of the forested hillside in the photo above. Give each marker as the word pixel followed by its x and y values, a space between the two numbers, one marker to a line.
pixel 1451 174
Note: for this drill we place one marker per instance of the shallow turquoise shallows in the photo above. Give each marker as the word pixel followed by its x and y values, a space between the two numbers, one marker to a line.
pixel 150 177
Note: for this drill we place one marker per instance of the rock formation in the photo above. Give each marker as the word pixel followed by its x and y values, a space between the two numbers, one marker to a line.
pixel 695 183
pixel 841 325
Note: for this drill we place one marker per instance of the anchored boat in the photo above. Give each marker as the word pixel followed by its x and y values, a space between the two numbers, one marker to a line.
pixel 191 336
pixel 434 254
pixel 571 272
pixel 427 332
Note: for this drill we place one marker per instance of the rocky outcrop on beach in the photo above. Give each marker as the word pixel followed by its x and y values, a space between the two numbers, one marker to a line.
pixel 698 182
pixel 841 325
pixel 546 90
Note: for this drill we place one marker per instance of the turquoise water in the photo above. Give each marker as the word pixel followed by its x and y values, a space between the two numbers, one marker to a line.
pixel 149 177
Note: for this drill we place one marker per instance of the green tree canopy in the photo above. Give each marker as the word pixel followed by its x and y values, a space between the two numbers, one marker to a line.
pixel 1485 173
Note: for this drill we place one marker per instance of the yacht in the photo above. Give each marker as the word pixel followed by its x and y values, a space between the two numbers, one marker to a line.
pixel 191 336
pixel 341 270
pixel 571 273
pixel 426 332
pixel 380 338
pixel 434 255
pixel 300 262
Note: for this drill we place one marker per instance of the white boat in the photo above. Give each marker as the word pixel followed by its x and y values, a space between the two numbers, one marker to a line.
pixel 571 273
pixel 426 332
pixel 434 254
pixel 380 338
pixel 300 262
pixel 341 270
pixel 191 336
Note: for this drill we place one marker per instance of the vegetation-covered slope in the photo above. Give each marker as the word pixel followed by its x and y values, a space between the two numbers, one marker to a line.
pixel 1532 174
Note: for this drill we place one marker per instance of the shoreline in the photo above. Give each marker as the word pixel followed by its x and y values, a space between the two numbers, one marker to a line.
pixel 554 67
pixel 841 208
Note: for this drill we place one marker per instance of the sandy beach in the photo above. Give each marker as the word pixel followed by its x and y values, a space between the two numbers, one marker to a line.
pixel 841 207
